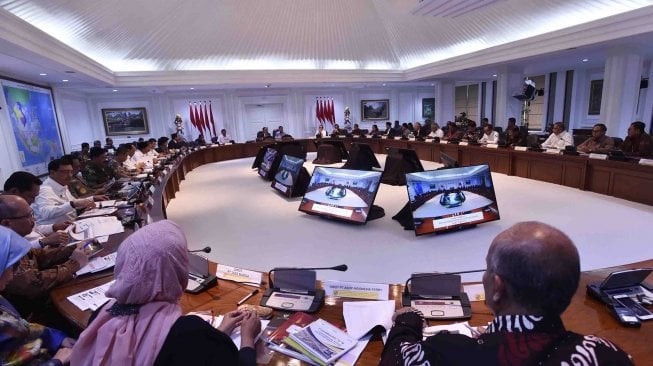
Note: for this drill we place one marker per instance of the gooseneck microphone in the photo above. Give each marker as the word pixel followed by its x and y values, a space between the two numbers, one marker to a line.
pixel 342 268
pixel 206 249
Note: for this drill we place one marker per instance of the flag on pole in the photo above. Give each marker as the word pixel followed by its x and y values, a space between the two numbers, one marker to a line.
pixel 317 111
pixel 211 116
pixel 206 119
pixel 192 116
pixel 332 115
pixel 198 121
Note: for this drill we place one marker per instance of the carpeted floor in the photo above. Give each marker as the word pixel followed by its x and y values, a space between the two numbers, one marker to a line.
pixel 229 207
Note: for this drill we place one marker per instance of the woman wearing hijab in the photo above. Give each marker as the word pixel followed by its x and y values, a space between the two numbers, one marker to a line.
pixel 142 324
pixel 21 342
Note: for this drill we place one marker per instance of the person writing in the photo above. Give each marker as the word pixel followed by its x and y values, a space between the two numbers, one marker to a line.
pixel 533 271
pixel 142 323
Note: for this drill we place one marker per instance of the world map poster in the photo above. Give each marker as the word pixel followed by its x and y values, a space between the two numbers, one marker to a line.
pixel 34 123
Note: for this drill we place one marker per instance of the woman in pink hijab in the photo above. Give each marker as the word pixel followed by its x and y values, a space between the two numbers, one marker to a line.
pixel 143 324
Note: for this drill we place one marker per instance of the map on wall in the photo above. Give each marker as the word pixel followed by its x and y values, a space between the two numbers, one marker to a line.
pixel 34 123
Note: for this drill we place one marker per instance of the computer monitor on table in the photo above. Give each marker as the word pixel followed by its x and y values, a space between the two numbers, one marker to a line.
pixel 341 194
pixel 451 199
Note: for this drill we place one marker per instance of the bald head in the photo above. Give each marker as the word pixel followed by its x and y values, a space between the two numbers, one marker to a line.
pixel 16 214
pixel 539 266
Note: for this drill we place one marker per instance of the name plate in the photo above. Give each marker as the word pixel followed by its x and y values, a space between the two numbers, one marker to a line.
pixel 411 139
pixel 492 146
pixel 463 143
pixel 238 275
pixel 598 156
pixel 521 148
pixel 228 143
pixel 397 138
pixel 356 290
pixel 553 151
pixel 444 142
pixel 384 137
pixel 341 136
pixel 648 162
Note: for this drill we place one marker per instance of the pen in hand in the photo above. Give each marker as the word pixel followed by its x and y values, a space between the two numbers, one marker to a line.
pixel 247 297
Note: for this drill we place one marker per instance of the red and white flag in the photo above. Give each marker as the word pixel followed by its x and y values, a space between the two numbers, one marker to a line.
pixel 211 116
pixel 192 115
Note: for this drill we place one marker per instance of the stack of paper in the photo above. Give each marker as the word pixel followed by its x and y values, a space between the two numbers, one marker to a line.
pixel 98 264
pixel 91 299
pixel 95 226
pixel 215 322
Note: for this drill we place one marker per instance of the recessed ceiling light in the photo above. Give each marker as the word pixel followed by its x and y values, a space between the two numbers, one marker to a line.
pixel 43 74
pixel 585 59
pixel 65 80
pixel 383 84
pixel 267 85
pixel 192 88
pixel 115 90
pixel 432 84
pixel 494 75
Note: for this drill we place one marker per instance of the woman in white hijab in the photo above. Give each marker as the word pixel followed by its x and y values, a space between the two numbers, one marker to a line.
pixel 142 325
pixel 21 342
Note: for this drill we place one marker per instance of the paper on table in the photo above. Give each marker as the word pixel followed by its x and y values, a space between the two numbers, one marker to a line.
pixel 475 292
pixel 215 322
pixel 98 212
pixel 459 328
pixel 91 299
pixel 362 316
pixel 94 227
pixel 350 358
pixel 98 264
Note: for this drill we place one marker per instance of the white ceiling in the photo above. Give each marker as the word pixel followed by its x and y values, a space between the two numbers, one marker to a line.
pixel 235 43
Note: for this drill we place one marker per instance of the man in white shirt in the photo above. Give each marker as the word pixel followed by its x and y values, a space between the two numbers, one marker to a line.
pixel 436 131
pixel 490 136
pixel 320 132
pixel 152 145
pixel 223 138
pixel 26 186
pixel 559 138
pixel 55 203
pixel 141 155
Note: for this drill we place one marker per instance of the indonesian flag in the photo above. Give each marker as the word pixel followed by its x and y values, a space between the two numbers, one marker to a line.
pixel 206 119
pixel 318 112
pixel 332 115
pixel 198 120
pixel 192 115
pixel 211 115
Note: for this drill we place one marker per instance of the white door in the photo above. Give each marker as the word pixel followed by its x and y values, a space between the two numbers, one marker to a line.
pixel 258 116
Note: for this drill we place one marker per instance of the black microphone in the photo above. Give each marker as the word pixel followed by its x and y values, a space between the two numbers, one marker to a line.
pixel 342 268
pixel 205 250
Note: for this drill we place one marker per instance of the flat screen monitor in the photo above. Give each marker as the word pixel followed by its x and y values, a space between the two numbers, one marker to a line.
pixel 341 193
pixel 344 154
pixel 409 156
pixel 449 199
pixel 268 162
pixel 287 174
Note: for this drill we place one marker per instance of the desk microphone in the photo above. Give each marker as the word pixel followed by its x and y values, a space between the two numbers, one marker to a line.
pixel 303 296
pixel 205 250
pixel 406 295
pixel 342 268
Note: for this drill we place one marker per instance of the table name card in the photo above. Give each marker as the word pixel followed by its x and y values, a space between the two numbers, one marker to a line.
pixel 463 143
pixel 238 275
pixel 411 139
pixel 553 151
pixel 521 148
pixel 598 156
pixel 492 146
pixel 648 162
pixel 397 137
pixel 444 142
pixel 356 290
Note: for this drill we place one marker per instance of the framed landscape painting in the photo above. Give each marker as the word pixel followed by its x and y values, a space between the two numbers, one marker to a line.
pixel 374 110
pixel 125 121
pixel 428 108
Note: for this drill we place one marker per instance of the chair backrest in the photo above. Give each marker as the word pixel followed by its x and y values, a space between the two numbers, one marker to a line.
pixel 532 140
pixel 618 141
pixel 579 139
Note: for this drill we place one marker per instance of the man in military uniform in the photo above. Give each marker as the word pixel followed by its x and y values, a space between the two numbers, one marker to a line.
pixel 97 173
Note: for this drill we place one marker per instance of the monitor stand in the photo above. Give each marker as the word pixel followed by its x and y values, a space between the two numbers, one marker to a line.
pixel 376 212
pixel 405 217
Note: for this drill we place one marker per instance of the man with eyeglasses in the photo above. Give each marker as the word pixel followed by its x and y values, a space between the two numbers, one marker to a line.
pixel 55 203
pixel 599 142
pixel 26 185
pixel 41 269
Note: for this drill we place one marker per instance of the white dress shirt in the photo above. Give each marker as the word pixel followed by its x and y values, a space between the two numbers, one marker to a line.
pixel 322 134
pixel 139 157
pixel 224 139
pixel 438 133
pixel 559 141
pixel 52 205
pixel 491 138
pixel 37 233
